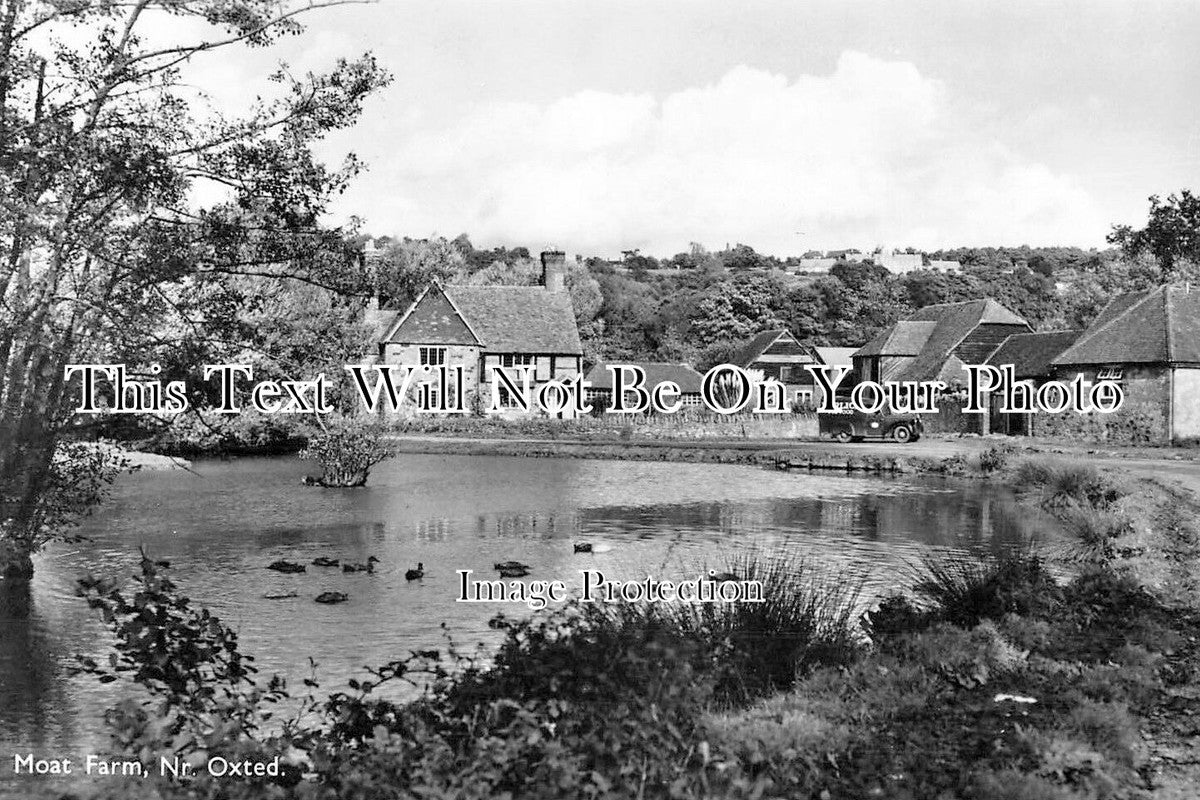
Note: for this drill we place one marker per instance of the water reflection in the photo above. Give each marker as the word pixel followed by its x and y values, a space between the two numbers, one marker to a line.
pixel 221 526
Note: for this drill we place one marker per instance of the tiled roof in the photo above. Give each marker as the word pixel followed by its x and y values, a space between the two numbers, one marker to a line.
pixel 755 347
pixel 1160 326
pixel 432 319
pixel 519 319
pixel 954 322
pixel 905 338
pixel 503 319
pixel 1031 354
pixel 687 378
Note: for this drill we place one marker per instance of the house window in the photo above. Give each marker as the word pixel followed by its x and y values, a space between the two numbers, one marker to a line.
pixel 432 356
pixel 516 360
pixel 1110 374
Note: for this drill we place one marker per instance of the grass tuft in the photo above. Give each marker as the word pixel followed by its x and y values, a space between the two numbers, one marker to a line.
pixel 1062 482
pixel 965 590
pixel 807 619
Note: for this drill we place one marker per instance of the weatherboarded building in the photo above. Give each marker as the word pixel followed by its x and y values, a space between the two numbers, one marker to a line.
pixel 1149 343
pixel 778 354
pixel 483 328
pixel 1031 356
pixel 934 344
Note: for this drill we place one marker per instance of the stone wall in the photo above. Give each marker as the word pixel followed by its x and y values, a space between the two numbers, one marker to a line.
pixel 950 418
pixel 1142 418
pixel 409 355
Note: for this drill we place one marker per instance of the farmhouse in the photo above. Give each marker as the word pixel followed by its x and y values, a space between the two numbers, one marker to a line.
pixel 481 328
pixel 1148 342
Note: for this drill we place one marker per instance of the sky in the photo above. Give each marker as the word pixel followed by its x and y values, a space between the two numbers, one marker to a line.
pixel 597 127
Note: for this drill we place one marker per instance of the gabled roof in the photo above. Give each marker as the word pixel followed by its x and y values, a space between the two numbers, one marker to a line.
pixel 1031 354
pixel 754 348
pixel 433 318
pixel 905 338
pixel 519 319
pixel 501 319
pixel 687 378
pixel 954 322
pixel 1160 326
pixel 834 356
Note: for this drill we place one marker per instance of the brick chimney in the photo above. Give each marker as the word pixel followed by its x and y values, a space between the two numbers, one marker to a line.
pixel 554 267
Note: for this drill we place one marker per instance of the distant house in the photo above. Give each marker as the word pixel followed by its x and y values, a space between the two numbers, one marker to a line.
pixel 934 343
pixel 944 265
pixel 1031 356
pixel 687 378
pixel 1149 342
pixel 780 355
pixel 815 266
pixel 899 263
pixel 484 327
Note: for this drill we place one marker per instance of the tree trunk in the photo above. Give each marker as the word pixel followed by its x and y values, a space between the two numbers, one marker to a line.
pixel 16 565
pixel 30 403
pixel 344 480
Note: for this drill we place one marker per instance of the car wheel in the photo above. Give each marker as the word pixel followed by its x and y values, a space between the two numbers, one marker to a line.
pixel 902 433
pixel 844 436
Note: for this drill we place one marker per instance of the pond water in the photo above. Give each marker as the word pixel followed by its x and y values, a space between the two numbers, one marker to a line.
pixel 223 522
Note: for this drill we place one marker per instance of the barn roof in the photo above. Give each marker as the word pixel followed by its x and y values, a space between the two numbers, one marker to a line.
pixel 905 338
pixel 931 334
pixel 953 323
pixel 1159 326
pixel 1031 354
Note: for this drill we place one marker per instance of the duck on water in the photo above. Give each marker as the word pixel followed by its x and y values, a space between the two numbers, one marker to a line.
pixel 368 567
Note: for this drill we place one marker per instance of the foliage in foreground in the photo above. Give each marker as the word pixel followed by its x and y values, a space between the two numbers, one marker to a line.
pixel 618 701
pixel 77 479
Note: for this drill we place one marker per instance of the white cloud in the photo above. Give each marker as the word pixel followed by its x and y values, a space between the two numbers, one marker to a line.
pixel 873 153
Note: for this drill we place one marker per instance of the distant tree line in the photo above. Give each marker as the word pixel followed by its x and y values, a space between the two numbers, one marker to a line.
pixel 700 306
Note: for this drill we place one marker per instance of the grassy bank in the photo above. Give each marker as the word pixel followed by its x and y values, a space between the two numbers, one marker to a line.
pixel 989 679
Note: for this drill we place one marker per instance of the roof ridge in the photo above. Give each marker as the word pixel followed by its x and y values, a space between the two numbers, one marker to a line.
pixel 1167 317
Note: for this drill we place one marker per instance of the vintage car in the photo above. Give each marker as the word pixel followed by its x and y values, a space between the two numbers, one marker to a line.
pixel 850 425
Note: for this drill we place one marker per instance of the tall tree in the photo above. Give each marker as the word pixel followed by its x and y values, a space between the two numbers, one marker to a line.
pixel 102 246
pixel 1171 235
